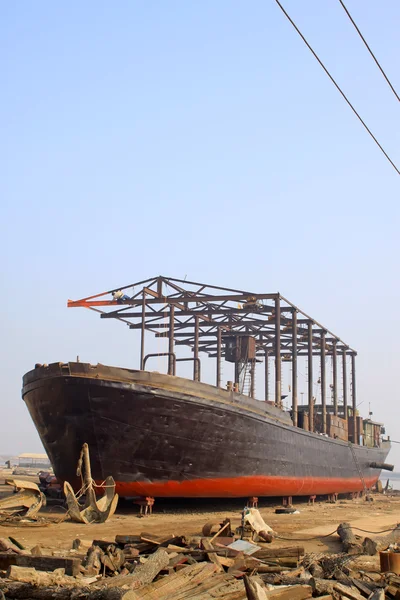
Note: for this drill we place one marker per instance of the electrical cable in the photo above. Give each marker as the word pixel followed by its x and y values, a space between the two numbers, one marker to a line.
pixel 321 537
pixel 369 50
pixel 337 86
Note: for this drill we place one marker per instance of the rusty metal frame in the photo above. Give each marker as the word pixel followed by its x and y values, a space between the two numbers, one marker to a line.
pixel 199 316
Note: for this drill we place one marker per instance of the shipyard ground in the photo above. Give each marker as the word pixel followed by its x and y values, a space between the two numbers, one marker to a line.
pixel 181 517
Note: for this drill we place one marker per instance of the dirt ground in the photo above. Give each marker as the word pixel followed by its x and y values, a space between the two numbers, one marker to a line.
pixel 180 517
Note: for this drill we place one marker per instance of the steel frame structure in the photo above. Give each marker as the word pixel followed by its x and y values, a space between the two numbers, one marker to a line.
pixel 202 316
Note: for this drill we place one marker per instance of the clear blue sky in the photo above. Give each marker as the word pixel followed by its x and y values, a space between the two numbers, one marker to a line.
pixel 199 139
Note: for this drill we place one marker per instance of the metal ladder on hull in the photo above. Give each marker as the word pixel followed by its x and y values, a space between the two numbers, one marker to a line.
pixel 360 473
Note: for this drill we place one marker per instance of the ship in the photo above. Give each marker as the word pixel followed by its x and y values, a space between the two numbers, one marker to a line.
pixel 162 435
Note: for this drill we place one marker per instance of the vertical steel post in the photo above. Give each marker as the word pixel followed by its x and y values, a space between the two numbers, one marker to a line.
pixel 278 391
pixel 143 329
pixel 354 397
pixel 310 377
pixel 334 382
pixel 171 339
pixel 219 346
pixel 294 368
pixel 252 378
pixel 266 367
pixel 344 378
pixel 237 373
pixel 323 381
pixel 196 350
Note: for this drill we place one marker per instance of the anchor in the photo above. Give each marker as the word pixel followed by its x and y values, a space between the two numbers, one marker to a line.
pixel 94 510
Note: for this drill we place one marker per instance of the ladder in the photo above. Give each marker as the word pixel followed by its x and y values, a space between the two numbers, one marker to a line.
pixel 245 379
pixel 360 473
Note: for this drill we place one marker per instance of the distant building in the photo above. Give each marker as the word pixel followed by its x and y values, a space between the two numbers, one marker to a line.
pixel 30 460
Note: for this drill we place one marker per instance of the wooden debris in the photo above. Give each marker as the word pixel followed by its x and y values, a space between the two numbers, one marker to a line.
pixel 127 539
pixel 26 591
pixel 225 526
pixel 253 589
pixel 290 551
pixel 294 592
pixel 41 563
pixel 212 557
pixel 144 573
pixel 348 539
pixel 348 592
pixel 8 546
pixel 380 595
pixel 30 575
pixel 372 546
pixel 93 562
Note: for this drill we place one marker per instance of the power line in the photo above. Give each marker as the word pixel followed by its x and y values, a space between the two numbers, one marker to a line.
pixel 369 50
pixel 337 86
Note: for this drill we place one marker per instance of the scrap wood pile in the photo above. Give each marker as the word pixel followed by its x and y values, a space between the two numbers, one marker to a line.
pixel 220 566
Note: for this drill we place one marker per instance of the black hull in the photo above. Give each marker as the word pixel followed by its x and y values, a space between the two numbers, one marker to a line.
pixel 164 436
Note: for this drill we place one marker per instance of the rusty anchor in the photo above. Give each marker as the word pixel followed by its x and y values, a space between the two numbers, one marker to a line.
pixel 94 510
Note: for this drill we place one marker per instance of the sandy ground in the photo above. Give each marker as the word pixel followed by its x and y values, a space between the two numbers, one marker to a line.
pixel 180 517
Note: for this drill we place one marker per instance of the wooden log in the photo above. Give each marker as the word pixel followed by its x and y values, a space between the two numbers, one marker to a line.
pixel 372 546
pixel 322 586
pixel 93 562
pixel 144 572
pixel 348 539
pixel 290 551
pixel 41 563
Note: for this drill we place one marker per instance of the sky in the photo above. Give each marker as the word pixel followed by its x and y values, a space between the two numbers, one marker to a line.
pixel 198 140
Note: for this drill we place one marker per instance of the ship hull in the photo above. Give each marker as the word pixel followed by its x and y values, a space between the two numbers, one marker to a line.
pixel 168 437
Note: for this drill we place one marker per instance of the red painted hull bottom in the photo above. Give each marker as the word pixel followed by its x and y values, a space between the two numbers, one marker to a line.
pixel 242 487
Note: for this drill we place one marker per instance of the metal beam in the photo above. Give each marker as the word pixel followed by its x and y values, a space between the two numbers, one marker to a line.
pixel 219 346
pixel 196 351
pixel 278 392
pixel 344 380
pixel 334 377
pixel 354 397
pixel 143 329
pixel 252 378
pixel 310 377
pixel 323 382
pixel 294 369
pixel 171 340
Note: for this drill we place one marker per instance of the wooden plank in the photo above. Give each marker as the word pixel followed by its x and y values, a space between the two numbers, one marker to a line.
pixel 348 592
pixel 212 556
pixel 294 592
pixel 40 563
pixel 290 551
